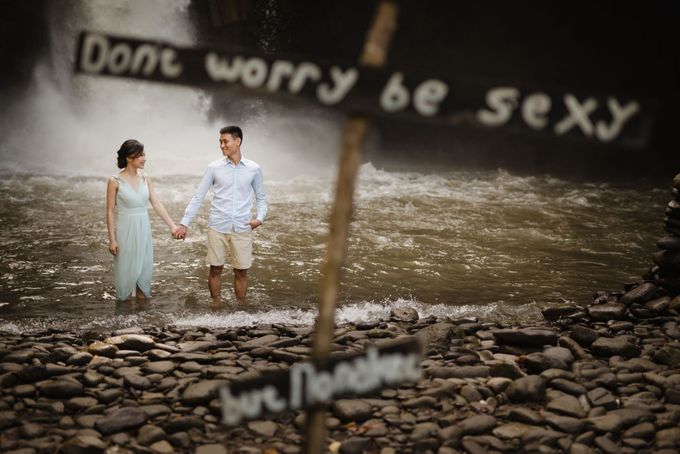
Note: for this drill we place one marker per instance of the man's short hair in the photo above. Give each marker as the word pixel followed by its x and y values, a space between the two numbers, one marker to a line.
pixel 234 131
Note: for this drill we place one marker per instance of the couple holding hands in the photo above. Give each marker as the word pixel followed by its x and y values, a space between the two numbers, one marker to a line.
pixel 236 183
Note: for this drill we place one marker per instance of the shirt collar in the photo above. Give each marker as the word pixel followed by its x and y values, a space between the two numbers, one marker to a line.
pixel 241 162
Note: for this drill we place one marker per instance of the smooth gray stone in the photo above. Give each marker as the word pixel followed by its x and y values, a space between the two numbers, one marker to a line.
pixel 149 434
pixel 560 353
pixel 640 294
pixel 83 444
pixel 607 311
pixel 568 386
pixel 459 372
pixel 536 363
pixel 526 337
pixel 619 345
pixel 352 409
pixel 670 242
pixel 667 355
pixel 668 438
pixel 212 448
pixel 530 388
pixel 525 415
pixel 263 428
pixel 137 381
pixel 645 430
pixel 158 367
pixel 354 445
pixel 566 424
pixel 404 314
pixel 182 424
pixel 60 389
pixel 125 418
pixel 201 392
pixel 137 342
pixel 439 335
pixel 567 405
pixel 637 365
pixel 79 359
pixel 583 335
pixel 600 397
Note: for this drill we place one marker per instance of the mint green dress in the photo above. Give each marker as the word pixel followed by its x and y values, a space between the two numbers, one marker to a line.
pixel 134 262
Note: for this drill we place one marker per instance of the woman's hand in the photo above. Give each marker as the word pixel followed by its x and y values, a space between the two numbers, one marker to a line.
pixel 113 247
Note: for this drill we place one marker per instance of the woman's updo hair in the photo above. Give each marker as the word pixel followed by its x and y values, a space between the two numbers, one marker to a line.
pixel 130 148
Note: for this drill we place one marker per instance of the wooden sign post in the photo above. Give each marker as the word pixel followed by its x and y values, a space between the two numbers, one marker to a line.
pixel 374 54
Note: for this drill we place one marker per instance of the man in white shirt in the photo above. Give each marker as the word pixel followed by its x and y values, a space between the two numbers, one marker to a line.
pixel 234 181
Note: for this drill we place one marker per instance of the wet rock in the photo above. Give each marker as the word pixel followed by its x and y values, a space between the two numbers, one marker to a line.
pixel 214 448
pixel 438 335
pixel 354 445
pixel 538 362
pixel 101 349
pixel 266 429
pixel 19 356
pixel 646 431
pixel 557 313
pixel 525 415
pixel 640 294
pixel 530 388
pixel 667 355
pixel 137 342
pixel 459 372
pixel 60 389
pixel 201 392
pixel 526 337
pixel 583 335
pixel 125 418
pixel 136 381
pixel 610 346
pixel 576 350
pixel 195 346
pixel 149 434
pixel 608 311
pixel 568 386
pixel 511 430
pixel 404 314
pixel 262 341
pixel 668 438
pixel 567 405
pixel 565 424
pixel 670 242
pixel 79 359
pixel 83 444
pixel 158 367
pixel 600 397
pixel 182 424
pixel 420 402
pixel 670 258
pixel 352 409
pixel 162 447
pixel 78 404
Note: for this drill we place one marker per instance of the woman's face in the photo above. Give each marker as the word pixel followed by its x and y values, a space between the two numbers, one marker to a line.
pixel 137 161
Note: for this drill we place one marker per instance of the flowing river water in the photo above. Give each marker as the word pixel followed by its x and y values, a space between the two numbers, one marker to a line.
pixel 459 243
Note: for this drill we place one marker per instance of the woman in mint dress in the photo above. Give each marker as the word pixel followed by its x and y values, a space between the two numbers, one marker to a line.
pixel 130 241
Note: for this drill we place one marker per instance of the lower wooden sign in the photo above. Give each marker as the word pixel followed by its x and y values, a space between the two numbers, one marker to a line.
pixel 307 384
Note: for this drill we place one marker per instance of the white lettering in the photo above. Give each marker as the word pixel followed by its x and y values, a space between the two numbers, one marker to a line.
pixel 620 115
pixel 170 67
pixel 219 69
pixel 395 96
pixel 343 82
pixel 95 50
pixel 119 58
pixel 303 72
pixel 578 115
pixel 145 53
pixel 280 69
pixel 254 73
pixel 428 95
pixel 535 109
pixel 503 100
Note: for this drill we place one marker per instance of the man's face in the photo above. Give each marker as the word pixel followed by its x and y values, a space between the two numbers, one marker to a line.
pixel 229 145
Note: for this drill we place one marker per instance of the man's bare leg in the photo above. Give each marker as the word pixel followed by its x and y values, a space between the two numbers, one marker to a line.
pixel 215 280
pixel 240 283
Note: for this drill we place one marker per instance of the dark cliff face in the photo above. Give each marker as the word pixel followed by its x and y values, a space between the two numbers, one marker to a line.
pixel 606 46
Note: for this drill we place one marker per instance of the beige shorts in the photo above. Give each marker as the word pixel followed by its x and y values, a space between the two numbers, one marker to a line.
pixel 239 245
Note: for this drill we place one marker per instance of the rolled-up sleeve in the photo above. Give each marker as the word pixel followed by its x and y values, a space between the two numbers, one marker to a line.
pixel 197 199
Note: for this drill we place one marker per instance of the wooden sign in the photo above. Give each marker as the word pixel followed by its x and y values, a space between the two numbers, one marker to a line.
pixel 309 384
pixel 596 116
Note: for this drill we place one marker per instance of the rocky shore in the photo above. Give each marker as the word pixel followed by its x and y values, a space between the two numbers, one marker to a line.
pixel 603 378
